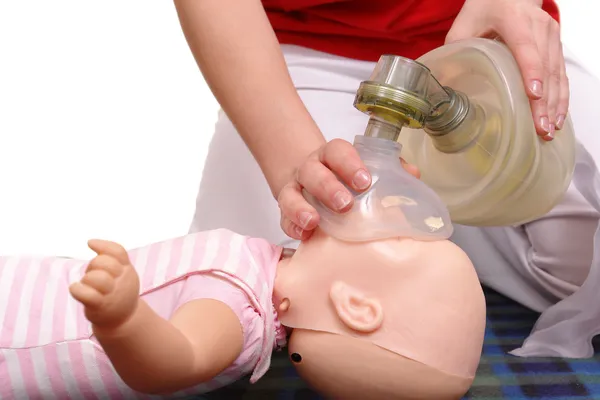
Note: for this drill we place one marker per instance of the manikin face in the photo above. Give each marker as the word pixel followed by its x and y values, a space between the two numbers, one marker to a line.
pixel 353 305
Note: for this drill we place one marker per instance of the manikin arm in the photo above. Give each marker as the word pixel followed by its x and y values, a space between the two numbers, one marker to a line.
pixel 151 354
pixel 240 58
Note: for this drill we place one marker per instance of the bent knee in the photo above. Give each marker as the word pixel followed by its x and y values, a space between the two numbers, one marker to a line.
pixel 562 242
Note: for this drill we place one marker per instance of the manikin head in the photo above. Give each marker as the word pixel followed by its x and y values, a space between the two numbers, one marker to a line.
pixel 386 319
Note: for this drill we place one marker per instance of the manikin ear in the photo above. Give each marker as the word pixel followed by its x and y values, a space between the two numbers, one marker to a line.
pixel 356 310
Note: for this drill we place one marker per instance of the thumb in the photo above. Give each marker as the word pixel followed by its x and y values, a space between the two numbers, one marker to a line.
pixel 469 23
pixel 109 248
pixel 459 32
pixel 464 28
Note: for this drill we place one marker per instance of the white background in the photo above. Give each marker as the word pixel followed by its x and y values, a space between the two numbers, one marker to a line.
pixel 105 121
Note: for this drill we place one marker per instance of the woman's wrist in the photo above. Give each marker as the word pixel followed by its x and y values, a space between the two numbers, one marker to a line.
pixel 289 148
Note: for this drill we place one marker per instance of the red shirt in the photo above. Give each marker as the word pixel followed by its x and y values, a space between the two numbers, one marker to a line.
pixel 366 29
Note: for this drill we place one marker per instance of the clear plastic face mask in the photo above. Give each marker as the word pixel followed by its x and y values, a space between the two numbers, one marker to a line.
pixel 396 205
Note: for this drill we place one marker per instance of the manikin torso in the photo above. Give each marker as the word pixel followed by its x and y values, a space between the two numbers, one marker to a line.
pixel 424 317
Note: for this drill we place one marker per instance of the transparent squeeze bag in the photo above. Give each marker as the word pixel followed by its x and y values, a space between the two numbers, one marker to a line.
pixel 466 122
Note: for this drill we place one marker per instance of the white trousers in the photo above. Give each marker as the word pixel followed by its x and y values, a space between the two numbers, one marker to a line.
pixel 537 264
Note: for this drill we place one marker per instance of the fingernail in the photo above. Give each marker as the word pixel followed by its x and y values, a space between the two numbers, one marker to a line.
pixel 304 219
pixel 361 180
pixel 536 88
pixel 550 134
pixel 298 231
pixel 560 122
pixel 341 199
pixel 545 123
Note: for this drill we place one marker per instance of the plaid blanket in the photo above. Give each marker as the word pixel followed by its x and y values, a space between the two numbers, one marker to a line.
pixel 500 375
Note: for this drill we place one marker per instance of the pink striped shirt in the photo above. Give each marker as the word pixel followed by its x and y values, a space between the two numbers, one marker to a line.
pixel 47 349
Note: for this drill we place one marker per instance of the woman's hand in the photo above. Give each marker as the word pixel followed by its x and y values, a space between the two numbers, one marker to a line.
pixel 533 36
pixel 317 175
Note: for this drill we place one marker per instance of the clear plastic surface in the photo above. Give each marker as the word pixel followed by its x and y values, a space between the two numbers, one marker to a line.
pixel 396 205
pixel 504 174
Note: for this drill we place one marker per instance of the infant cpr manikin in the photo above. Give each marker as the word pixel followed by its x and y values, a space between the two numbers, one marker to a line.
pixel 387 319
pixel 396 317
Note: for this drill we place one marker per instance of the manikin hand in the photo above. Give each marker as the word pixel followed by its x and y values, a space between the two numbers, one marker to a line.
pixel 109 290
pixel 533 36
pixel 318 175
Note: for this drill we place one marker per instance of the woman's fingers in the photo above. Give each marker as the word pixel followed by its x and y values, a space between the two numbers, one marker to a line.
pixel 293 230
pixel 517 33
pixel 526 36
pixel 410 168
pixel 319 175
pixel 321 182
pixel 342 158
pixel 541 108
pixel 298 216
pixel 550 29
pixel 533 37
pixel 562 107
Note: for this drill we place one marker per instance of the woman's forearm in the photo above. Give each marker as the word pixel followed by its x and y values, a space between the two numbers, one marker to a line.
pixel 240 58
